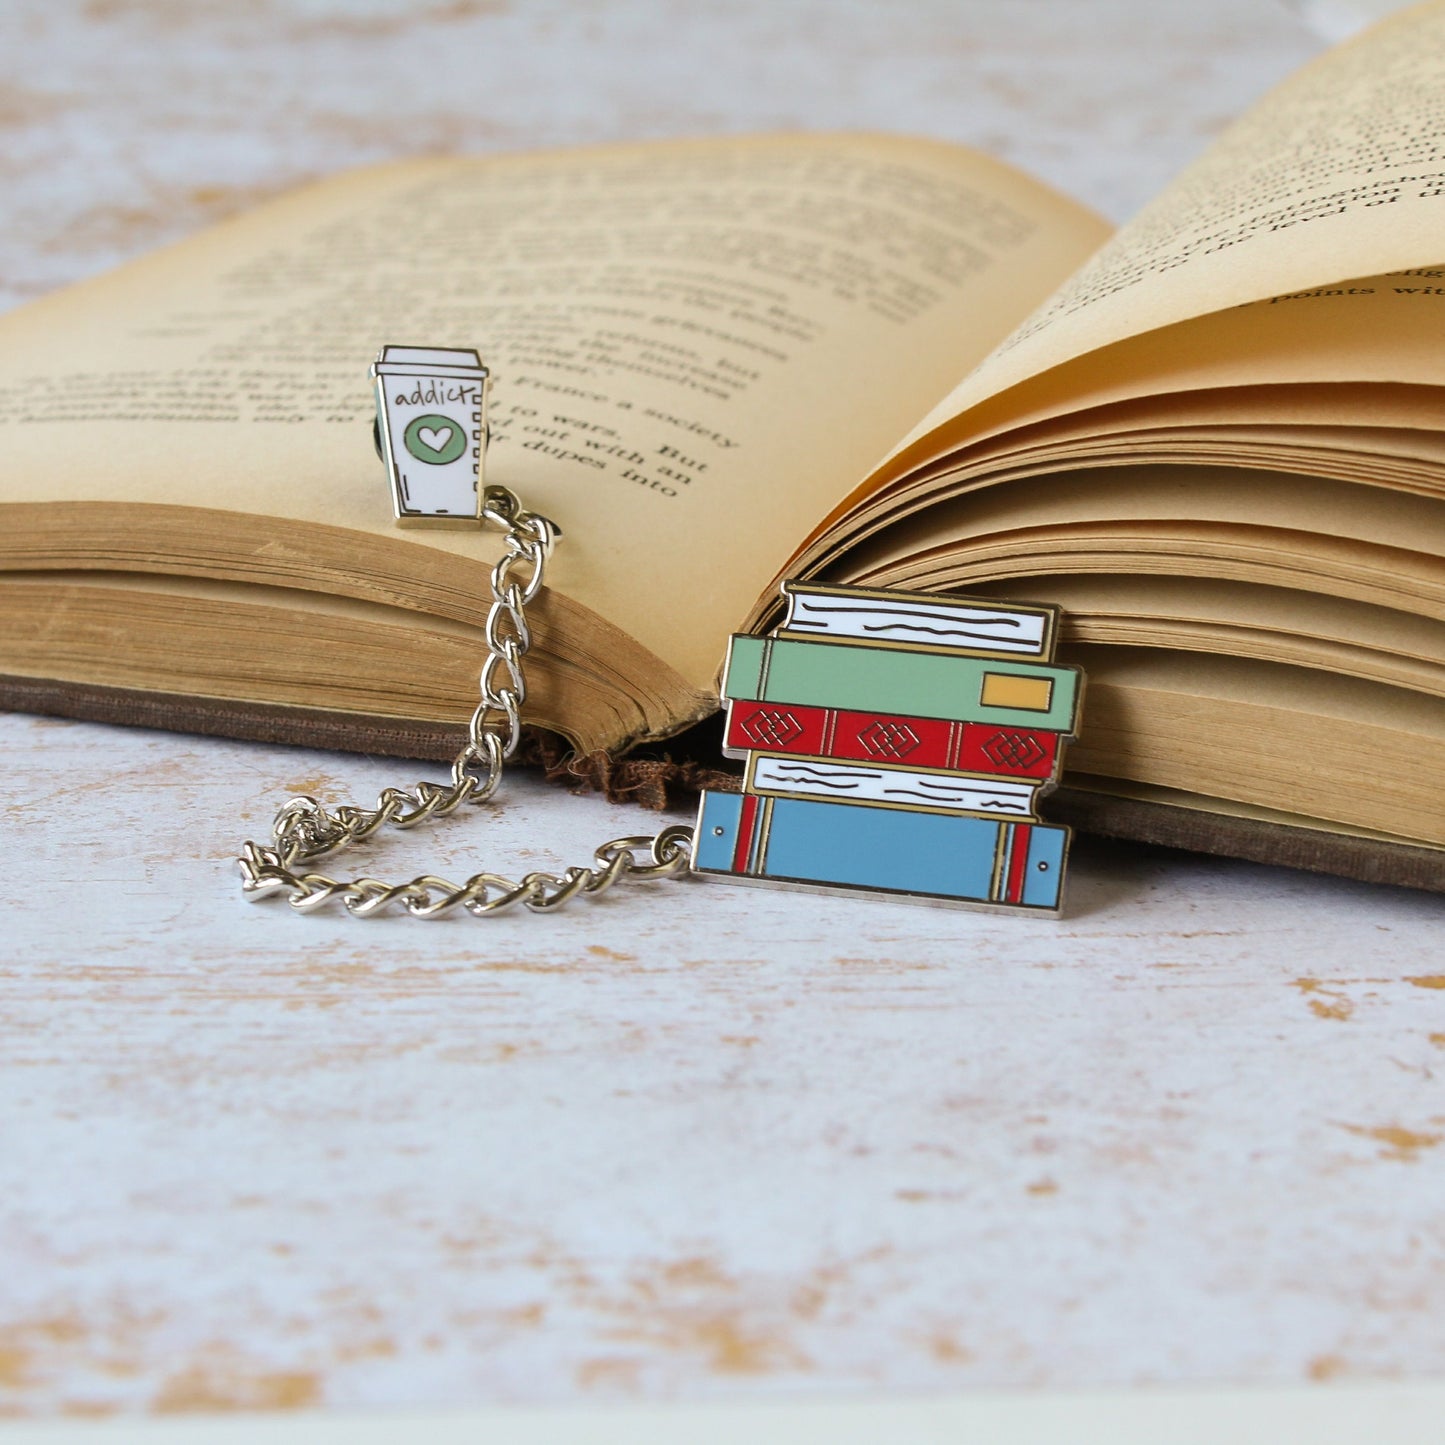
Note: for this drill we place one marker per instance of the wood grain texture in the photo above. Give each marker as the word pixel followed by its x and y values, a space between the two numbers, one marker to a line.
pixel 690 1140
pixel 694 1141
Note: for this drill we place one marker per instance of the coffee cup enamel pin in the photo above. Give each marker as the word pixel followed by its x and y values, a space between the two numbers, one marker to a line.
pixel 431 431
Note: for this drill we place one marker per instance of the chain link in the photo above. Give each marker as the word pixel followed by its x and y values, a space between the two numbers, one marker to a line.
pixel 304 830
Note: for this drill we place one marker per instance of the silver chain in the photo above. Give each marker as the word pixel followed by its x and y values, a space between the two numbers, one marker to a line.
pixel 305 830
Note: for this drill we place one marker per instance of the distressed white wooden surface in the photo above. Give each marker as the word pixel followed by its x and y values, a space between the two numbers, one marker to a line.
pixel 690 1141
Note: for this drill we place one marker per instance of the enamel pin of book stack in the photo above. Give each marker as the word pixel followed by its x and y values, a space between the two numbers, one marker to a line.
pixel 897 744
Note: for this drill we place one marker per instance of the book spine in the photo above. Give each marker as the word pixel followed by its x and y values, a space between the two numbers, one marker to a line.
pixel 955 688
pixel 921 620
pixel 905 788
pixel 870 737
pixel 844 846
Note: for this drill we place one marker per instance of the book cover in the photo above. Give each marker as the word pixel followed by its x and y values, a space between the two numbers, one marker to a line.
pixel 954 687
pixel 935 622
pixel 845 847
pixel 873 737
pixel 908 789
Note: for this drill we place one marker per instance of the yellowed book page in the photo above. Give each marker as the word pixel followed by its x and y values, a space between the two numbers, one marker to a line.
pixel 1383 548
pixel 1367 351
pixel 1199 803
pixel 698 348
pixel 1357 518
pixel 1368 408
pixel 1335 174
pixel 1288 738
pixel 1376 330
pixel 1237 619
pixel 1382 420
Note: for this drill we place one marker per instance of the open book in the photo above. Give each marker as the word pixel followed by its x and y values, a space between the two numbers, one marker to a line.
pixel 1216 438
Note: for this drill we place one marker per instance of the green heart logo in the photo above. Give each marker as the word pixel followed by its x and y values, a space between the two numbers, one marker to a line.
pixel 435 439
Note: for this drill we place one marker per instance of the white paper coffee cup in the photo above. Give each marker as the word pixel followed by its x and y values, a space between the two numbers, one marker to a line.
pixel 431 418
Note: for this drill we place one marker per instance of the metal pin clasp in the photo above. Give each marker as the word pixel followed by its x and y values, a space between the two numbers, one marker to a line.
pixel 503 507
pixel 500 505
pixel 431 431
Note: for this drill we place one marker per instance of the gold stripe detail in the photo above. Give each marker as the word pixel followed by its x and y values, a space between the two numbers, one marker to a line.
pixel 995 888
pixel 764 668
pixel 760 838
